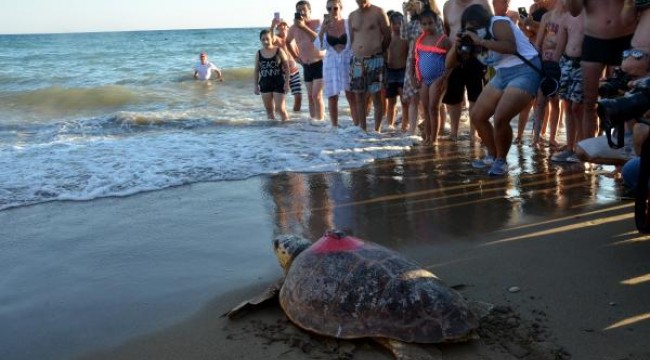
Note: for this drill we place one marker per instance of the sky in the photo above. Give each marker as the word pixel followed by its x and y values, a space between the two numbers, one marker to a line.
pixel 62 16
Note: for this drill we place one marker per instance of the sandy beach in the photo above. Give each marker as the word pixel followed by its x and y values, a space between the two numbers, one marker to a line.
pixel 554 248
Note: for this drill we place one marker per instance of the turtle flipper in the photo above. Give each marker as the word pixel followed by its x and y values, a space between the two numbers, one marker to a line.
pixel 407 351
pixel 269 294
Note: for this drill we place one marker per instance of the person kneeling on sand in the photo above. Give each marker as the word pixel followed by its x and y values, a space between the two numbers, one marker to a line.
pixel 203 69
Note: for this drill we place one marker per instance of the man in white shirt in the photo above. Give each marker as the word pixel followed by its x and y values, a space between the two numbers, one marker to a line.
pixel 203 69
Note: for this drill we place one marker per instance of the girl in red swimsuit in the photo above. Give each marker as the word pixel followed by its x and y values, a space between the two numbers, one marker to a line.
pixel 430 52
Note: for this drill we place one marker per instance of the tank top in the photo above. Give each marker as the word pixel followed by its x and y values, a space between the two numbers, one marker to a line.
pixel 498 60
pixel 270 69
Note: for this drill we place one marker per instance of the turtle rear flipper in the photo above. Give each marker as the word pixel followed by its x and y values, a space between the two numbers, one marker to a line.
pixel 270 293
pixel 405 351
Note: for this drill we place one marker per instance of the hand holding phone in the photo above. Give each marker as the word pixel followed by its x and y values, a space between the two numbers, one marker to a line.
pixel 522 12
pixel 326 19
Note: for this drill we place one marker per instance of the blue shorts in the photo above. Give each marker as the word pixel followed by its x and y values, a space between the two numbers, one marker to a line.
pixel 520 76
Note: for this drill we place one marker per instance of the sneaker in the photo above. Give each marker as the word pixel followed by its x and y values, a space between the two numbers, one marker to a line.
pixel 499 167
pixel 486 161
pixel 562 156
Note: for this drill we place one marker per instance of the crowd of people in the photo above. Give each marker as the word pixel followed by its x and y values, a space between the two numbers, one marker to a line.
pixel 548 60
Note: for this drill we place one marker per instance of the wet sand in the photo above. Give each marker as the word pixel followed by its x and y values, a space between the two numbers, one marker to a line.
pixel 148 276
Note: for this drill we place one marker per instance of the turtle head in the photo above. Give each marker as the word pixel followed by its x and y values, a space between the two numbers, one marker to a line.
pixel 287 247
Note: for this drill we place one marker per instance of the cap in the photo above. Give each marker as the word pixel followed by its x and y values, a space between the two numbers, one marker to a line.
pixel 282 22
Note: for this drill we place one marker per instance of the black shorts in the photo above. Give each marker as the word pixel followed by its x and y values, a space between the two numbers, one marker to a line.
pixel 394 82
pixel 313 71
pixel 468 75
pixel 272 85
pixel 605 51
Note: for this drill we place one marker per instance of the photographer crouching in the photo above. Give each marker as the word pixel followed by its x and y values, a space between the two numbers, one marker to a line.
pixel 496 41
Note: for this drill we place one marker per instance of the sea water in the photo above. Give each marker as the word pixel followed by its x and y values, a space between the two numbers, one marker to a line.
pixel 92 115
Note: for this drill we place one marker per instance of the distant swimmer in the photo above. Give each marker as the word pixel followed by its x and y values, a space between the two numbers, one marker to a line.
pixel 203 69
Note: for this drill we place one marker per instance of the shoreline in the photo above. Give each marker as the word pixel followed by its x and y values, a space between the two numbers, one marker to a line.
pixel 147 276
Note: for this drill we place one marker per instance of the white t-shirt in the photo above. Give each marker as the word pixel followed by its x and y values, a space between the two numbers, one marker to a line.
pixel 205 70
pixel 524 47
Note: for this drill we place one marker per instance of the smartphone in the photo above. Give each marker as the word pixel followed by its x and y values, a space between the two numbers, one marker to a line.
pixel 522 12
pixel 297 16
pixel 276 16
pixel 326 18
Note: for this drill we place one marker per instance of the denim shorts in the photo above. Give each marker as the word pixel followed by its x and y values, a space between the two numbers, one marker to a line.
pixel 520 76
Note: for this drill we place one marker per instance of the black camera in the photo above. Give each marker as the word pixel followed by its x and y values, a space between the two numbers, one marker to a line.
pixel 613 113
pixel 467 46
pixel 614 85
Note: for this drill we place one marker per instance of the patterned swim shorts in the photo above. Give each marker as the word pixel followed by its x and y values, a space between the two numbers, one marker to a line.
pixel 367 73
pixel 571 80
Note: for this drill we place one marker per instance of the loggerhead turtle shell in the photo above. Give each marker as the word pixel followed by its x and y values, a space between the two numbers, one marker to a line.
pixel 348 288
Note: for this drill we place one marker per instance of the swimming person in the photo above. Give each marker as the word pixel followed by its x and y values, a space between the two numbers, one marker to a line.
pixel 203 69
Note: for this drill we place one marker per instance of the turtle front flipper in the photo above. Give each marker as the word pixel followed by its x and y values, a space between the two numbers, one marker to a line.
pixel 406 351
pixel 269 294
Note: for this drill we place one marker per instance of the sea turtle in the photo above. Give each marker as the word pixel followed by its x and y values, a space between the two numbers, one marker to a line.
pixel 348 288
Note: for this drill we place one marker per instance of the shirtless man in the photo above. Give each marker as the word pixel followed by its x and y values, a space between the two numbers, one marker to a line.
pixel 370 36
pixel 608 28
pixel 570 36
pixel 469 75
pixel 303 31
pixel 395 71
pixel 547 43
pixel 280 41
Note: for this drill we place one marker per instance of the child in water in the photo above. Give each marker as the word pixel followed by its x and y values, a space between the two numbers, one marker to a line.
pixel 430 52
pixel 272 76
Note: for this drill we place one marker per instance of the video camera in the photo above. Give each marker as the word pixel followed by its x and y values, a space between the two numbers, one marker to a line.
pixel 613 113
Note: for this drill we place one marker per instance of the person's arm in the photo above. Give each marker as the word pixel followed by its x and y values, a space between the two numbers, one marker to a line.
pixel 562 38
pixel 302 25
pixel 256 74
pixel 505 44
pixel 196 74
pixel 539 39
pixel 575 6
pixel 286 70
pixel 384 26
pixel 320 42
pixel 289 42
pixel 445 23
pixel 451 60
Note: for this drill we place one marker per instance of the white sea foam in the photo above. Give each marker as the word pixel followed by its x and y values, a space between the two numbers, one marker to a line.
pixel 76 166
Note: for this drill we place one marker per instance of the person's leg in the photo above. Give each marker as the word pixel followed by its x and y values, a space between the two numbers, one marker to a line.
pixel 435 96
pixel 509 105
pixel 297 102
pixel 333 107
pixel 296 90
pixel 577 110
pixel 361 101
pixel 554 120
pixel 310 98
pixel 317 94
pixel 522 121
pixel 378 103
pixel 390 111
pixel 351 97
pixel 405 111
pixel 267 99
pixel 591 75
pixel 414 106
pixel 480 115
pixel 280 106
pixel 442 119
pixel 540 107
pixel 424 98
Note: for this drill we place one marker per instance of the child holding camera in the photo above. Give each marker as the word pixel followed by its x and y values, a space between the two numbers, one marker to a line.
pixel 430 53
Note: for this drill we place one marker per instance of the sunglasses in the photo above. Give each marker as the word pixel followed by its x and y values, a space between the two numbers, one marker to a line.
pixel 332 8
pixel 635 53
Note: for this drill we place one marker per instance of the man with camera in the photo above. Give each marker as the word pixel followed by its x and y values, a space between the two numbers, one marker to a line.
pixel 468 74
pixel 303 31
